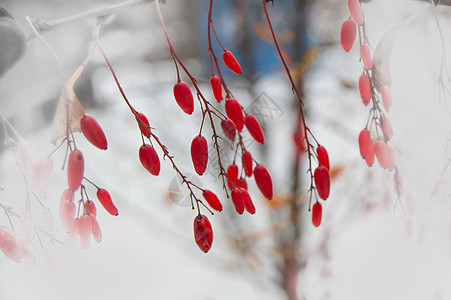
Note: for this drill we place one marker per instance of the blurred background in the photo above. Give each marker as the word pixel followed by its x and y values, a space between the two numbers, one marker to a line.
pixel 370 244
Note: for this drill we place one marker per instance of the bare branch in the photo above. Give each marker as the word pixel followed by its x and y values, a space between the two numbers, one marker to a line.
pixel 43 25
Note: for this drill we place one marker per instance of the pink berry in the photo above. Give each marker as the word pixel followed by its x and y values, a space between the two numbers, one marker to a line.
pixel 75 169
pixel 356 11
pixel 348 34
pixel 365 89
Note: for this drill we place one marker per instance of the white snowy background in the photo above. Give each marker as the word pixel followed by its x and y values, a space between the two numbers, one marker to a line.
pixel 375 250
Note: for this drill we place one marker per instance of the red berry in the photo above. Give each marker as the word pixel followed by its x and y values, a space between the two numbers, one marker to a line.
pixel 365 54
pixel 254 128
pixel 386 96
pixel 365 89
pixel 247 200
pixel 229 129
pixel 212 200
pixel 75 169
pixel 263 181
pixel 247 163
pixel 95 229
pixel 231 62
pixel 235 113
pixel 149 159
pixel 380 151
pixel 356 11
pixel 91 207
pixel 199 154
pixel 93 132
pixel 145 129
pixel 370 156
pixel 203 233
pixel 105 199
pixel 232 174
pixel 323 157
pixel 365 142
pixel 238 201
pixel 242 183
pixel 184 97
pixel 317 211
pixel 386 128
pixel 322 182
pixel 348 34
pixel 216 87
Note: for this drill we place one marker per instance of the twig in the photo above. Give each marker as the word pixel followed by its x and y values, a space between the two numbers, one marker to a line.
pixel 43 25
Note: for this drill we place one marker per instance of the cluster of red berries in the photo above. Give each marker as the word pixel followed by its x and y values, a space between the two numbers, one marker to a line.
pixel 85 225
pixel 374 138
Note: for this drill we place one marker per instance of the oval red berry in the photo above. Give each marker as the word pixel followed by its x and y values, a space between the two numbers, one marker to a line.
pixel 203 233
pixel 323 157
pixel 254 128
pixel 199 154
pixel 247 200
pixel 365 89
pixel 145 128
pixel 184 97
pixel 216 87
pixel 75 169
pixel 235 113
pixel 232 174
pixel 212 200
pixel 91 207
pixel 365 54
pixel 317 212
pixel 356 11
pixel 247 163
pixel 93 132
pixel 364 142
pixel 348 34
pixel 149 159
pixel 263 181
pixel 231 62
pixel 322 182
pixel 229 129
pixel 105 199
pixel 238 201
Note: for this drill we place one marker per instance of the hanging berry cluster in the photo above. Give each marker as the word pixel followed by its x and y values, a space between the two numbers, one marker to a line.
pixel 374 139
pixel 319 178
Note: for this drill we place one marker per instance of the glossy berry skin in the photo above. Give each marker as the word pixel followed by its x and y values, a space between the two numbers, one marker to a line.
pixel 365 89
pixel 105 199
pixel 229 129
pixel 184 97
pixel 231 62
pixel 238 201
pixel 199 154
pixel 317 211
pixel 263 181
pixel 322 182
pixel 247 163
pixel 254 128
pixel 149 159
pixel 235 113
pixel 247 200
pixel 93 132
pixel 323 157
pixel 75 169
pixel 203 233
pixel 144 130
pixel 212 200
pixel 348 34
pixel 216 87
